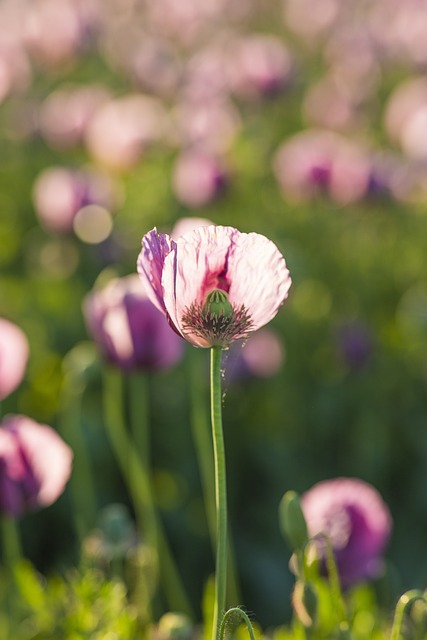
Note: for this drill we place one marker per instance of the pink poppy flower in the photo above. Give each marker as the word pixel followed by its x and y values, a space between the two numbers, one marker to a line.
pixel 198 178
pixel 356 519
pixel 128 329
pixel 35 465
pixel 261 356
pixel 13 357
pixel 214 284
pixel 187 224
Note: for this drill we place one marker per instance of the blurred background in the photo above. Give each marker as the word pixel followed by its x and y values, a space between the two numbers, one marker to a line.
pixel 306 122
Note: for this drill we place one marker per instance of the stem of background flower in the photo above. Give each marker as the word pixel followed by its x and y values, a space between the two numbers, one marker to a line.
pixel 82 484
pixel 220 492
pixel 11 541
pixel 138 484
pixel 204 451
pixel 334 581
pixel 140 421
pixel 10 538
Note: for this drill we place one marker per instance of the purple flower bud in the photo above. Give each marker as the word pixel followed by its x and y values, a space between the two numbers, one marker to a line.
pixel 128 329
pixel 356 520
pixel 13 357
pixel 35 465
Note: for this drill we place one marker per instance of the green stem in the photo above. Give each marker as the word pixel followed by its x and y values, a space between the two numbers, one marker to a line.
pixel 220 492
pixel 334 580
pixel 82 484
pixel 204 449
pixel 139 488
pixel 12 552
pixel 404 601
pixel 140 415
pixel 231 613
pixel 203 443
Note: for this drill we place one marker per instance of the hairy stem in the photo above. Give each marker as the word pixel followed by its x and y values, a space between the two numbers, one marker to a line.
pixel 220 492
pixel 404 601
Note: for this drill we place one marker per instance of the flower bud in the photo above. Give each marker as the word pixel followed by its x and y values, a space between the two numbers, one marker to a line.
pixel 304 602
pixel 292 521
pixel 218 305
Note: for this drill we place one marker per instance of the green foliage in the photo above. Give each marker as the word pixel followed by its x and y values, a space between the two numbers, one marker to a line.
pixel 78 606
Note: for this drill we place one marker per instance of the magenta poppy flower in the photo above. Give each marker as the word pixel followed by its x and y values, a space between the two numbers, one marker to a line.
pixel 356 520
pixel 128 329
pixel 214 284
pixel 35 465
pixel 13 357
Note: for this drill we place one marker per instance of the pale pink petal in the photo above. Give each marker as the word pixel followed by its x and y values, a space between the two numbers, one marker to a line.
pixel 155 247
pixel 196 266
pixel 258 276
pixel 13 357
pixel 48 456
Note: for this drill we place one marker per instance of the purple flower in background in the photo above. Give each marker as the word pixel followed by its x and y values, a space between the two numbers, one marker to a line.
pixel 355 344
pixel 13 357
pixel 128 329
pixel 356 520
pixel 35 465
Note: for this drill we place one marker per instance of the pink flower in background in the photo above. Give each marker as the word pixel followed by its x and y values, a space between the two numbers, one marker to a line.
pixel 258 66
pixel 65 114
pixel 198 178
pixel 316 162
pixel 209 124
pixel 327 105
pixel 13 357
pixel 214 284
pixel 406 117
pixel 60 193
pixel 120 130
pixel 357 521
pixel 184 225
pixel 55 30
pixel 128 329
pixel 35 465
pixel 261 356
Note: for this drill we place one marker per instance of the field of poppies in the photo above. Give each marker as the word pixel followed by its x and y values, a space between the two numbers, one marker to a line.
pixel 299 130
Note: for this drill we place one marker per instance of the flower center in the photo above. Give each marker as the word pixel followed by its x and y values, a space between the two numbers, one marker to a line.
pixel 216 321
